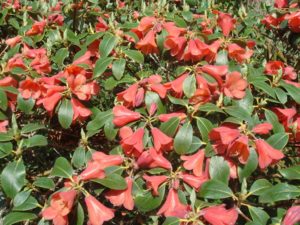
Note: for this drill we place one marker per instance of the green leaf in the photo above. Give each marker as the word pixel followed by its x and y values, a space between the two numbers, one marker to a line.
pixel 178 101
pixel 3 100
pixel 291 173
pixel 280 192
pixel 21 197
pixel 31 127
pixel 196 144
pixel 170 127
pixel 62 168
pixel 36 140
pixel 183 139
pixel 145 201
pixel 219 169
pixel 278 140
pixel 16 217
pixel 113 181
pixel 65 113
pixel 293 91
pixel 135 55
pixel 266 88
pixel 209 107
pixel 13 178
pixel 250 166
pixel 281 95
pixel 100 120
pixel 189 86
pixel 30 203
pixel 204 126
pixel 109 131
pixel 153 97
pixel 118 68
pixel 171 221
pixel 259 187
pixel 107 44
pixel 80 215
pixel 44 182
pixel 60 56
pixel 6 136
pixel 5 149
pixel 239 112
pixel 25 105
pixel 273 119
pixel 78 159
pixel 258 215
pixel 101 66
pixel 215 189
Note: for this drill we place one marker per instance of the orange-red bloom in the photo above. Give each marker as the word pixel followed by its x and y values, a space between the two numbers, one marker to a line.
pixel 292 216
pixel 238 53
pixel 98 213
pixel 267 154
pixel 161 141
pixel 239 148
pixel 132 142
pixel 37 28
pixel 60 206
pixel 173 206
pixel 147 45
pixel 235 85
pixel 263 128
pixel 122 197
pixel 153 182
pixel 123 116
pixel 194 162
pixel 226 23
pixel 219 215
pixel 153 159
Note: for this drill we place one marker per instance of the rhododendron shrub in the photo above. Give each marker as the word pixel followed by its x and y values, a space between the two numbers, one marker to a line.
pixel 149 112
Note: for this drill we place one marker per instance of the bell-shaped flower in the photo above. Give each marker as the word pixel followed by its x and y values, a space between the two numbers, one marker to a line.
pixel 219 215
pixel 226 23
pixel 292 216
pixel 122 197
pixel 267 154
pixel 173 207
pixel 263 128
pixel 123 116
pixel 194 162
pixel 132 142
pixel 153 159
pixel 161 141
pixel 98 213
pixel 235 86
pixel 153 182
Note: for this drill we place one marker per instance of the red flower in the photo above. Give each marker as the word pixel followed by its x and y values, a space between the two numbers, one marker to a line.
pixel 129 96
pixel 194 162
pixel 132 143
pixel 285 116
pixel 173 206
pixel 263 128
pixel 292 216
pixel 51 100
pixel 166 117
pixel 153 159
pixel 223 136
pixel 161 141
pixel 176 45
pixel 226 23
pixel 176 85
pixel 60 206
pixel 147 45
pixel 80 112
pixel 100 161
pixel 15 61
pixel 239 148
pixel 294 22
pixel 37 28
pixel 235 85
pixel 12 42
pixel 80 88
pixel 3 125
pixel 281 3
pixel 153 182
pixel 238 53
pixel 215 70
pixel 122 116
pixel 267 154
pixel 270 21
pixel 101 26
pixel 219 215
pixel 195 50
pixel 98 213
pixel 272 67
pixel 30 89
pixel 122 197
pixel 146 24
pixel 56 19
pixel 194 181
